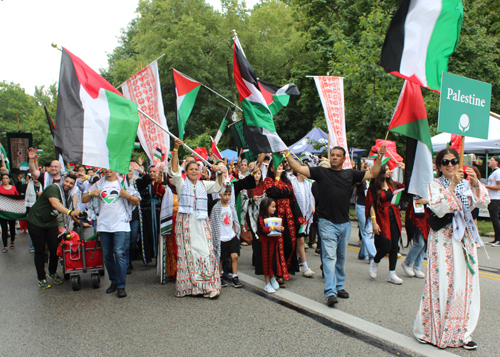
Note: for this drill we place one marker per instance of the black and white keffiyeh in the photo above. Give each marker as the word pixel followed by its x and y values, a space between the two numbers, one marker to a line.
pixel 305 203
pixel 167 210
pixel 463 217
pixel 215 223
pixel 187 199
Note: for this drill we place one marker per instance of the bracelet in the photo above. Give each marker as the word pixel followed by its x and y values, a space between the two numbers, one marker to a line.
pixel 372 217
pixel 277 178
pixel 69 212
pixel 90 194
pixel 176 149
pixel 30 160
pixel 288 153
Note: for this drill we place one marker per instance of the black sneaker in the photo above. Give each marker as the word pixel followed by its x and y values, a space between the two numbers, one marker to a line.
pixel 112 288
pixel 223 282
pixel 470 346
pixel 343 294
pixel 331 300
pixel 236 283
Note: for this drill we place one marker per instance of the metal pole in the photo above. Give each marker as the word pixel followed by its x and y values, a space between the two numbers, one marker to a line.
pixel 227 100
pixel 175 137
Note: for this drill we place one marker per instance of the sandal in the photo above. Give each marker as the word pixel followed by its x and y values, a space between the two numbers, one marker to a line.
pixel 4 250
pixel 12 246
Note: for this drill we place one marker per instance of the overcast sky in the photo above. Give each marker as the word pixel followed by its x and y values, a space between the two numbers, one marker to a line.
pixel 87 28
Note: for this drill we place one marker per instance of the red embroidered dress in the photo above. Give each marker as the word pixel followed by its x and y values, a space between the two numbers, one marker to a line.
pixel 268 246
pixel 288 210
pixel 383 212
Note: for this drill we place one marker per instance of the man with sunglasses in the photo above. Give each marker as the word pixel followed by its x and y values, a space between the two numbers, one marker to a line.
pixel 494 192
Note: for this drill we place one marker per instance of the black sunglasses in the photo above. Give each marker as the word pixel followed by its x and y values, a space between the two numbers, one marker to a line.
pixel 446 162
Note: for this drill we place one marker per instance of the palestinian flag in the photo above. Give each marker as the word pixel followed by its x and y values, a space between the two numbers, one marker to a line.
pixel 96 125
pixel 24 166
pixel 186 91
pixel 410 119
pixel 396 198
pixel 421 37
pixel 277 97
pixel 137 145
pixel 385 159
pixel 38 151
pixel 158 154
pixel 259 130
pixel 5 157
pixel 214 150
pixel 223 126
pixel 242 151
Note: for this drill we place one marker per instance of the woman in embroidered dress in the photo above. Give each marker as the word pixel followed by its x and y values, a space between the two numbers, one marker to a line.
pixel 278 187
pixel 7 189
pixel 197 267
pixel 386 221
pixel 449 308
pixel 250 204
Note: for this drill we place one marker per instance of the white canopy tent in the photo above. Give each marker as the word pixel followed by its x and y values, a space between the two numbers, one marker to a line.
pixel 473 145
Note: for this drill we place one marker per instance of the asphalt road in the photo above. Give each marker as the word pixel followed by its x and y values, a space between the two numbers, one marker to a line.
pixel 242 322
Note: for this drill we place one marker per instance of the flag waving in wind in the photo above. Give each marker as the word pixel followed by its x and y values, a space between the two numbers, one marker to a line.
pixel 96 125
pixel 421 37
pixel 186 91
pixel 410 119
pixel 277 97
pixel 259 130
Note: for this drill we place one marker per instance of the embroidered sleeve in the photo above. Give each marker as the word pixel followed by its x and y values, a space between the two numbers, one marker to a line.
pixel 214 187
pixel 264 229
pixel 483 200
pixel 442 200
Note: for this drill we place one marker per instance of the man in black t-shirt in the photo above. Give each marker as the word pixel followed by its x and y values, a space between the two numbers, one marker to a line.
pixel 334 186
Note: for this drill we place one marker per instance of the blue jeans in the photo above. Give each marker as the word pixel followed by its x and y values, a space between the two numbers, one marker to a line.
pixel 367 241
pixel 334 240
pixel 134 232
pixel 417 251
pixel 113 251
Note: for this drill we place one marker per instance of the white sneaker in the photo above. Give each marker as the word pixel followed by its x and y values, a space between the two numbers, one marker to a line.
pixel 373 269
pixel 419 274
pixel 214 295
pixel 408 269
pixel 308 273
pixel 269 289
pixel 393 278
pixel 274 283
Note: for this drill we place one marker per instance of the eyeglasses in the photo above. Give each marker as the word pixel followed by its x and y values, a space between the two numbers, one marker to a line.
pixel 446 162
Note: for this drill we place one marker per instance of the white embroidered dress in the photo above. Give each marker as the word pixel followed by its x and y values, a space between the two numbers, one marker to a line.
pixel 450 304
pixel 197 267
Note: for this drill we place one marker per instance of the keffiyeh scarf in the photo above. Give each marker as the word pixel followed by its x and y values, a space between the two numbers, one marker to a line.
pixel 167 210
pixel 187 199
pixel 462 218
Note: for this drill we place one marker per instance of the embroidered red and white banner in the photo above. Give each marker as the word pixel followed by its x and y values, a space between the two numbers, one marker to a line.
pixel 144 89
pixel 331 92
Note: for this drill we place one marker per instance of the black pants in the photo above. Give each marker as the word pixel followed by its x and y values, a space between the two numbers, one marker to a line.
pixel 493 209
pixel 40 237
pixel 5 228
pixel 391 246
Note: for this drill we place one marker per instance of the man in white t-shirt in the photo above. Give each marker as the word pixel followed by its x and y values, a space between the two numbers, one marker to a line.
pixel 494 192
pixel 113 200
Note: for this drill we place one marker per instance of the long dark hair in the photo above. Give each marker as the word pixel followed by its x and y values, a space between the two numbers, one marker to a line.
pixel 377 183
pixel 440 156
pixel 272 174
pixel 264 211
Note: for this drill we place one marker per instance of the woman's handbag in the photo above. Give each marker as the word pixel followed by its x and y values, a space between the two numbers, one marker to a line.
pixel 437 223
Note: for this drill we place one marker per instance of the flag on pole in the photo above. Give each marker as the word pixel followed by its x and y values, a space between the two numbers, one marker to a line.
pixel 259 130
pixel 331 93
pixel 397 196
pixel 214 150
pixel 137 145
pixel 277 97
pixel 385 159
pixel 96 125
pixel 410 119
pixel 144 89
pixel 38 151
pixel 186 91
pixel 158 154
pixel 5 157
pixel 421 37
pixel 391 152
pixel 240 142
pixel 223 126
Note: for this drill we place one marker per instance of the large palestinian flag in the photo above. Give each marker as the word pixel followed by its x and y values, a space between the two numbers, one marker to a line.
pixel 96 125
pixel 259 130
pixel 277 97
pixel 421 37
pixel 12 207
pixel 410 119
pixel 186 91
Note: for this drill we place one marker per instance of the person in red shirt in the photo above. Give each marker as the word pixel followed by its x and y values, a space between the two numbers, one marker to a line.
pixel 7 189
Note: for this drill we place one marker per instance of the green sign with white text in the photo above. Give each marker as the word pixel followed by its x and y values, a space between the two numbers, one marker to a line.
pixel 464 106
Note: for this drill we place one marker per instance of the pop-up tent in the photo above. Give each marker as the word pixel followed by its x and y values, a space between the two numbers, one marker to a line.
pixel 308 141
pixel 230 154
pixel 473 145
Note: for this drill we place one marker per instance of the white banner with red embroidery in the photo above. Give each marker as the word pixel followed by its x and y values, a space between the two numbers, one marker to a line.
pixel 144 89
pixel 331 92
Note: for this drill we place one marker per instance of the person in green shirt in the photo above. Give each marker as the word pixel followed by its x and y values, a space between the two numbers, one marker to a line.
pixel 42 226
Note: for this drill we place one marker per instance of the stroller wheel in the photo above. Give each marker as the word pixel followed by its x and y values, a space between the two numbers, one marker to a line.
pixel 76 283
pixel 96 281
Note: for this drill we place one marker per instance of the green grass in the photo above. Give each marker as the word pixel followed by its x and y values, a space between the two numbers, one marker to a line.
pixel 484 226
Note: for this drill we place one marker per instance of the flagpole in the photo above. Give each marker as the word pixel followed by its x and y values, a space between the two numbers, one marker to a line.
pixel 175 137
pixel 227 100
pixel 462 147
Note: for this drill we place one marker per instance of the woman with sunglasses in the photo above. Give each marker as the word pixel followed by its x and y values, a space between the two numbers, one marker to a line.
pixel 449 308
